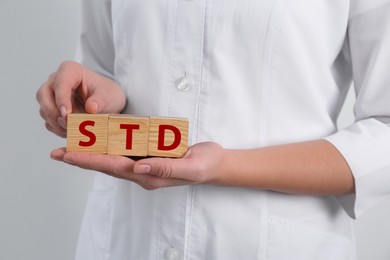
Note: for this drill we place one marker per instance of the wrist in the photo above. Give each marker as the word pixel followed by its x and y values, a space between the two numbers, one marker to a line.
pixel 225 168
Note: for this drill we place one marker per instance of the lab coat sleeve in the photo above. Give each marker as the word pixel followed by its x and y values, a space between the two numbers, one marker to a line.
pixel 96 48
pixel 365 144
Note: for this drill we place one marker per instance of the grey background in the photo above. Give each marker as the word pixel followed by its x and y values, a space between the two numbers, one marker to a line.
pixel 42 201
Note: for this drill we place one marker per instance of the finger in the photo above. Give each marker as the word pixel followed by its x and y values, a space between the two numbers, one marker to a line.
pixel 48 109
pixel 68 78
pixel 150 182
pixel 110 164
pixel 56 130
pixel 116 166
pixel 58 154
pixel 40 93
pixel 183 168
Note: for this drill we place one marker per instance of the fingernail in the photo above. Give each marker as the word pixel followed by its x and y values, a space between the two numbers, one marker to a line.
pixel 61 122
pixel 94 107
pixel 55 158
pixel 63 111
pixel 142 169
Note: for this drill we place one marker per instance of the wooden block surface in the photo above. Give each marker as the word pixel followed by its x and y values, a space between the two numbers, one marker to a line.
pixel 87 133
pixel 168 137
pixel 128 135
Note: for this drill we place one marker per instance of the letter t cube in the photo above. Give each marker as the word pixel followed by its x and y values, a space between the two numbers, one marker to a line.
pixel 128 135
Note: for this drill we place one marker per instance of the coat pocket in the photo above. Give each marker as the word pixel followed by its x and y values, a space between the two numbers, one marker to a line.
pixel 96 226
pixel 295 241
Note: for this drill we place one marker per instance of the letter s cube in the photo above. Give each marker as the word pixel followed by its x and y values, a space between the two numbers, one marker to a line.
pixel 87 133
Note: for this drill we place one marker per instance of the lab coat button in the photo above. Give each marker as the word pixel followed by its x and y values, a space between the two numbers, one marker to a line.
pixel 183 84
pixel 171 254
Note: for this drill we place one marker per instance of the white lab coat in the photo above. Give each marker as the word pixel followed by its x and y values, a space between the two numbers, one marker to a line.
pixel 260 73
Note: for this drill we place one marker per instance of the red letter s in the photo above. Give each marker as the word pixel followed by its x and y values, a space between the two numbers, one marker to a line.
pixel 84 131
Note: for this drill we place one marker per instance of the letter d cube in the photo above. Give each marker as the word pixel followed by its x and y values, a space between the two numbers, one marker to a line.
pixel 168 137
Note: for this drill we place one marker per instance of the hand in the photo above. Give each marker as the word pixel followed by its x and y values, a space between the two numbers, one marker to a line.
pixel 73 88
pixel 203 163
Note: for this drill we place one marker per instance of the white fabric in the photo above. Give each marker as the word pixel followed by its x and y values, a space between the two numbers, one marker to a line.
pixel 261 72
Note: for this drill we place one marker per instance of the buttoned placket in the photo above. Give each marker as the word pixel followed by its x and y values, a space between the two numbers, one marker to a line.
pixel 187 19
pixel 187 30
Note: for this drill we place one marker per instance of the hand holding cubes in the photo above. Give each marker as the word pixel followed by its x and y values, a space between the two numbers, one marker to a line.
pixel 127 135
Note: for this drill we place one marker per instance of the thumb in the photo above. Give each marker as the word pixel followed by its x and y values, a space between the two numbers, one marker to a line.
pixel 92 105
pixel 180 168
pixel 105 97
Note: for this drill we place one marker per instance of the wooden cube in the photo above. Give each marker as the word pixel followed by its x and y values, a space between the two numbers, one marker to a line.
pixel 128 135
pixel 168 137
pixel 87 133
